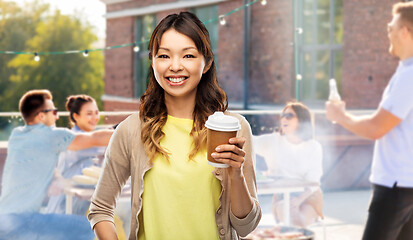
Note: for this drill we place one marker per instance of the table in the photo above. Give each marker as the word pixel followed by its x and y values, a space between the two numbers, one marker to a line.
pixel 284 186
pixel 86 194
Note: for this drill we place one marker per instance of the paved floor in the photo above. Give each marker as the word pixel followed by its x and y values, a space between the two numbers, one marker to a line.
pixel 345 214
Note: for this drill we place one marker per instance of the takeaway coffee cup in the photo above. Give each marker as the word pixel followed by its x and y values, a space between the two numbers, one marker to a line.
pixel 220 128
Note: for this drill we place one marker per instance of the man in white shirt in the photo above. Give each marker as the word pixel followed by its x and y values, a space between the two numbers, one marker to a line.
pixel 391 207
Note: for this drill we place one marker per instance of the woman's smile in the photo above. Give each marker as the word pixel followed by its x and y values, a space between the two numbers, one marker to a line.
pixel 176 80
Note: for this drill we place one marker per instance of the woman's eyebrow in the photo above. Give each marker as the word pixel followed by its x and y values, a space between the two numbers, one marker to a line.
pixel 184 49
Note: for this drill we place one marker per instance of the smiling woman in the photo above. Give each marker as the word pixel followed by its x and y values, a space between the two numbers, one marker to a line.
pixel 163 149
pixel 84 116
pixel 293 153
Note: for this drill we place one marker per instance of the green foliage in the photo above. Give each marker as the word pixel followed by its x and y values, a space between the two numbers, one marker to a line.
pixel 16 27
pixel 42 31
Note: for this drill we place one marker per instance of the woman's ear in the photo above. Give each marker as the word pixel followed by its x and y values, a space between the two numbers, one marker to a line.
pixel 207 66
pixel 75 117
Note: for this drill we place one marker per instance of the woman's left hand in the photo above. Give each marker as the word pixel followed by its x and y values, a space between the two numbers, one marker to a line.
pixel 231 154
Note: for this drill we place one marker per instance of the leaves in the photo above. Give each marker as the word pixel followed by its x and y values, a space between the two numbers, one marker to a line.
pixel 34 28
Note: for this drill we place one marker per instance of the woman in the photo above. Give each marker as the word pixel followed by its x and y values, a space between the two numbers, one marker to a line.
pixel 175 193
pixel 84 116
pixel 293 153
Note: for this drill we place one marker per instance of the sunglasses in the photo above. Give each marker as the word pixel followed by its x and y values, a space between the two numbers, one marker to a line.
pixel 288 116
pixel 53 110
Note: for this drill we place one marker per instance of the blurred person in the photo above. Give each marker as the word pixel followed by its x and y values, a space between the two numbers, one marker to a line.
pixel 294 153
pixel 176 194
pixel 84 117
pixel 391 207
pixel 32 154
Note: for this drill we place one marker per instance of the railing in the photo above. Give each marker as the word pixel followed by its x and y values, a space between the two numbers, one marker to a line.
pixel 346 157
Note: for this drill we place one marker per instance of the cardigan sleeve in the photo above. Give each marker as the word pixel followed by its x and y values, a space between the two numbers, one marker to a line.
pixel 247 224
pixel 115 173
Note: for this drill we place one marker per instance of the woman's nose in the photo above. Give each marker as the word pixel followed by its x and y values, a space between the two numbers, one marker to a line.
pixel 175 65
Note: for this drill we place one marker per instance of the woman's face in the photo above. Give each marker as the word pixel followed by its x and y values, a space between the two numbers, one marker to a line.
pixel 178 65
pixel 289 121
pixel 88 116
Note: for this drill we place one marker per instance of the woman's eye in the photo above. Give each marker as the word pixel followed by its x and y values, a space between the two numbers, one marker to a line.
pixel 189 56
pixel 162 56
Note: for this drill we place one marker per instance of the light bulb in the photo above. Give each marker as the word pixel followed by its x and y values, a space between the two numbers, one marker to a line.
pixel 135 48
pixel 36 57
pixel 299 77
pixel 222 20
pixel 263 2
pixel 86 53
pixel 299 30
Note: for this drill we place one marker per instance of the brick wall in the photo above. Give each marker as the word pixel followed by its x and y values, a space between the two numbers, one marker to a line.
pixel 118 62
pixel 367 65
pixel 271 57
pixel 134 4
pixel 230 51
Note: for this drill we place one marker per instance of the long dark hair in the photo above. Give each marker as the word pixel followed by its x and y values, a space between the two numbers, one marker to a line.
pixel 210 97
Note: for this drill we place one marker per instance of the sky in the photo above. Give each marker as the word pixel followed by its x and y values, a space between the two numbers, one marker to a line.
pixel 93 9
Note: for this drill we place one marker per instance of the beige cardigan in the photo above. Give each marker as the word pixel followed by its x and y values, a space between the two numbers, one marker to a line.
pixel 125 156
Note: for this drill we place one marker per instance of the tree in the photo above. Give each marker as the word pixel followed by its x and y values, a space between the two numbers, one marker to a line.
pixel 62 74
pixel 17 25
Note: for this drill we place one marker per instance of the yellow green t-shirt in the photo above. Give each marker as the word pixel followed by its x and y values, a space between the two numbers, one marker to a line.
pixel 181 196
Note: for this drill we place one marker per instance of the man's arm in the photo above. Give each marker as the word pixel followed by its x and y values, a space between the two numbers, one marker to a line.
pixel 372 126
pixel 92 139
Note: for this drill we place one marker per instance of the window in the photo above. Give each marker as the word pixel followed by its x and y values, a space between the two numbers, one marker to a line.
pixel 143 28
pixel 205 14
pixel 319 47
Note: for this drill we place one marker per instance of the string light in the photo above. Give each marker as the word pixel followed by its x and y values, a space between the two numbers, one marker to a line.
pixel 299 30
pixel 135 47
pixel 299 77
pixel 222 20
pixel 36 57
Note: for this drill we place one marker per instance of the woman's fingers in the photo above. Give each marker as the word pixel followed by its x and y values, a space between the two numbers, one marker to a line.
pixel 230 148
pixel 238 141
pixel 231 154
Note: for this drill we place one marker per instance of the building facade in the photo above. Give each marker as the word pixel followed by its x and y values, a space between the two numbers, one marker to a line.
pixel 267 55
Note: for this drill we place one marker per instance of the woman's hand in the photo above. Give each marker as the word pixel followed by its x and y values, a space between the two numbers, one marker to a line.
pixel 234 155
pixel 231 154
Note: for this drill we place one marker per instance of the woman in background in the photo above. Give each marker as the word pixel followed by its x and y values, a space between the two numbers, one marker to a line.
pixel 84 117
pixel 294 153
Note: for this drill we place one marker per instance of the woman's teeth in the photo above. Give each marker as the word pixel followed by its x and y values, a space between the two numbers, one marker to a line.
pixel 176 80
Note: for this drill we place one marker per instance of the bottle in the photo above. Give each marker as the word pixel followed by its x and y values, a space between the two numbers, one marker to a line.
pixel 333 96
